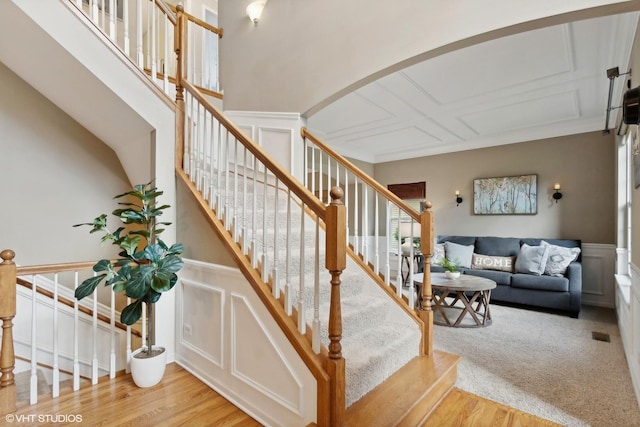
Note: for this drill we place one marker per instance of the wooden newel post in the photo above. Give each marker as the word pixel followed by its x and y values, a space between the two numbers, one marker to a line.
pixel 180 49
pixel 424 307
pixel 336 262
pixel 7 313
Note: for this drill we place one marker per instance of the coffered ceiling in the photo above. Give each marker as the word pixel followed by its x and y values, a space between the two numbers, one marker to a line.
pixel 539 84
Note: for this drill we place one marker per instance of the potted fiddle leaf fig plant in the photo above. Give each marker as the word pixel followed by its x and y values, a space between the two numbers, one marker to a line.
pixel 451 268
pixel 147 268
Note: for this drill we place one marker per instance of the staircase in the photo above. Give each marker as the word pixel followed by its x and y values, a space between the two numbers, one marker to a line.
pixel 333 296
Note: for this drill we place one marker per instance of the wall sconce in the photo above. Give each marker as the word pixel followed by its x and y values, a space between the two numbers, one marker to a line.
pixel 458 198
pixel 557 195
pixel 254 10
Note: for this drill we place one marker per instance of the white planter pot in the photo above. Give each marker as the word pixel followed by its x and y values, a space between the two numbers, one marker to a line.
pixel 452 274
pixel 148 371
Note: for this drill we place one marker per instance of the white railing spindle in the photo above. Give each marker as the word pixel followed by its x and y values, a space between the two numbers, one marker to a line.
pixel 34 345
pixel 55 386
pixel 76 333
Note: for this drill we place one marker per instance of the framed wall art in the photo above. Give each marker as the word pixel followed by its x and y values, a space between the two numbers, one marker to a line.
pixel 510 195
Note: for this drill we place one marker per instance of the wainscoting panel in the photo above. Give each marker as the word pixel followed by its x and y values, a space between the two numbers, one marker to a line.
pixel 277 133
pixel 598 269
pixel 228 339
pixel 628 310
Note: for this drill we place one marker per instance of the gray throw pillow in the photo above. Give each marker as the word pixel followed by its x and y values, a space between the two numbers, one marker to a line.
pixel 460 253
pixel 559 259
pixel 438 254
pixel 532 259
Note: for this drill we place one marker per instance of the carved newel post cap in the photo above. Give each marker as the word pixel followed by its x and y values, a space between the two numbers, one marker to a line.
pixel 7 255
pixel 337 194
pixel 427 205
pixel 180 7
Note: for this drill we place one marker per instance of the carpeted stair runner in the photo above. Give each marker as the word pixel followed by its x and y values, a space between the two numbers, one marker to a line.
pixel 378 337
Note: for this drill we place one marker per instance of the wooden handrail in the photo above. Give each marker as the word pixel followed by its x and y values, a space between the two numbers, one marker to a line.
pixel 285 177
pixel 173 80
pixel 198 21
pixel 70 303
pixel 304 132
pixel 54 268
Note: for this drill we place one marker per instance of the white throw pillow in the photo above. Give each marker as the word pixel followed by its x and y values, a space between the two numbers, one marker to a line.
pixel 532 259
pixel 461 253
pixel 559 259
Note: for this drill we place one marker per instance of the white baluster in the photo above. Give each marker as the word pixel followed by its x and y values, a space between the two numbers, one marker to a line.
pixel 316 293
pixel 328 178
pixel 254 216
pixel 128 357
pixel 227 212
pixel 302 324
pixel 55 386
pixel 212 164
pixel 112 331
pixel 235 190
pixel 412 295
pixel 94 359
pixel 34 345
pixel 125 27
pixel 288 290
pixel 154 44
pixel 264 226
pixel 276 244
pixel 376 243
pixel 102 15
pixel 165 69
pixel 245 241
pixel 112 20
pixel 139 50
pixel 387 264
pixel 365 224
pixel 320 178
pixel 76 333
pixel 346 202
pixel 219 205
pixel 95 13
pixel 313 171
pixel 356 218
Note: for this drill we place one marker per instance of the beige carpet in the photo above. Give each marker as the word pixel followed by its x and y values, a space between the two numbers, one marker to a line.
pixel 547 365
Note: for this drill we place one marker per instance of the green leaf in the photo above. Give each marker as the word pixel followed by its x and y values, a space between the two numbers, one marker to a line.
pixel 88 286
pixel 160 284
pixel 102 265
pixel 152 297
pixel 176 249
pixel 154 253
pixel 131 313
pixel 172 264
pixel 140 281
pixel 130 244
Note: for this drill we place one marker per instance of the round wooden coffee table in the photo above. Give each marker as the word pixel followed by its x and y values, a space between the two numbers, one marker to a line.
pixel 456 297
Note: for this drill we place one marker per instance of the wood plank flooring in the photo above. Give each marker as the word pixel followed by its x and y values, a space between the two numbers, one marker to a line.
pixel 179 400
pixel 460 408
pixel 183 400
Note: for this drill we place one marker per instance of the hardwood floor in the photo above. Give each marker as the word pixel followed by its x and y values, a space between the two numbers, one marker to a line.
pixel 183 400
pixel 179 400
pixel 460 408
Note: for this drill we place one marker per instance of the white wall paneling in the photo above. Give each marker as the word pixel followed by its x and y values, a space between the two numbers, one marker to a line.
pixel 228 339
pixel 628 310
pixel 598 269
pixel 277 133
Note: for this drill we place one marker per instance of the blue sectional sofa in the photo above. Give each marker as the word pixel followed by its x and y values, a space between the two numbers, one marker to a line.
pixel 544 273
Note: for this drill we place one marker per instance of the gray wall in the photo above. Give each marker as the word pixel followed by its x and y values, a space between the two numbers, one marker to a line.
pixel 55 174
pixel 583 164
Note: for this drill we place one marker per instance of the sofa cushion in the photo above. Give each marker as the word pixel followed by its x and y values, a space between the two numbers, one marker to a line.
pixel 500 277
pixel 460 253
pixel 532 259
pixel 461 240
pixel 540 283
pixel 499 263
pixel 500 246
pixel 567 243
pixel 559 259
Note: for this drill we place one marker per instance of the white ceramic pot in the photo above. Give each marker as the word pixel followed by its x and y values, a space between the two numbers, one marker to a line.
pixel 148 371
pixel 452 274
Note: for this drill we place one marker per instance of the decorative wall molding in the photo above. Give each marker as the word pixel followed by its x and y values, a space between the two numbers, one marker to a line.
pixel 278 133
pixel 598 269
pixel 628 312
pixel 261 372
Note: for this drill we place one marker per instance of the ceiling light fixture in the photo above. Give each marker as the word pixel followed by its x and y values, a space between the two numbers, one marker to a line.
pixel 612 73
pixel 254 10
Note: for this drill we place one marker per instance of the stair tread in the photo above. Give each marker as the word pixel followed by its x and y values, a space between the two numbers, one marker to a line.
pixel 395 398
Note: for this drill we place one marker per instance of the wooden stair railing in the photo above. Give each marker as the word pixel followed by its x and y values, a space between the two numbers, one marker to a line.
pixel 331 168
pixel 8 287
